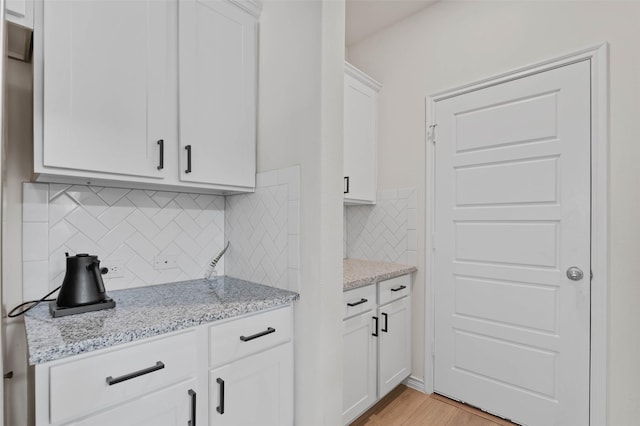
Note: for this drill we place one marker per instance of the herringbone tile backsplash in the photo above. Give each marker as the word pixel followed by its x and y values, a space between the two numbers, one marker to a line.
pixel 385 231
pixel 132 228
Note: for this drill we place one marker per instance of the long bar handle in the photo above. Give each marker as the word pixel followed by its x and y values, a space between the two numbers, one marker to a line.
pixel 346 182
pixel 111 381
pixel 220 408
pixel 360 302
pixel 375 327
pixel 385 327
pixel 161 164
pixel 269 330
pixel 188 148
pixel 402 287
pixel 192 394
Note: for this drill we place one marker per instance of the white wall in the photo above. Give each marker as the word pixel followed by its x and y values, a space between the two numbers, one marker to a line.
pixel 453 43
pixel 300 122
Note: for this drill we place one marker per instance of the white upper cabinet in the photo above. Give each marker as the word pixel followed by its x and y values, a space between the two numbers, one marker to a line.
pixel 115 80
pixel 218 79
pixel 360 136
pixel 20 12
pixel 108 81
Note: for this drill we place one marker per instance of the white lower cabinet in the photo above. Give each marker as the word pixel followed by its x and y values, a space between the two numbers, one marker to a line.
pixel 360 362
pixel 376 343
pixel 172 379
pixel 173 406
pixel 257 390
pixel 394 344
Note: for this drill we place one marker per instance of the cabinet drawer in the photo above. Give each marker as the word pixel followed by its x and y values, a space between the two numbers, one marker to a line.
pixel 361 300
pixel 393 289
pixel 245 336
pixel 82 386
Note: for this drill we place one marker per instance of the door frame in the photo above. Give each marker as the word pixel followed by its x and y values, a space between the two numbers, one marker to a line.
pixel 599 58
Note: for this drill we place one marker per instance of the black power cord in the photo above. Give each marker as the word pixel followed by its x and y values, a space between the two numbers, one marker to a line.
pixel 33 303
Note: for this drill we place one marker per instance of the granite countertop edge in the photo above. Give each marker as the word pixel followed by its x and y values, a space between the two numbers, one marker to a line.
pixel 42 349
pixel 360 273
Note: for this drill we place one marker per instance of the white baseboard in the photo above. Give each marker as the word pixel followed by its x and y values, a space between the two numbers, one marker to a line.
pixel 415 383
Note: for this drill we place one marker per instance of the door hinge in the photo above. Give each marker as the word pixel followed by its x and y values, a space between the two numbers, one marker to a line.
pixel 431 133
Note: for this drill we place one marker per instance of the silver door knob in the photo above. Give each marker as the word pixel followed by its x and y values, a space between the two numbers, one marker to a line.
pixel 574 273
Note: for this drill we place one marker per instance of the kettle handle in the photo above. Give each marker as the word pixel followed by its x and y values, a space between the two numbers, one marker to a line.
pixel 95 268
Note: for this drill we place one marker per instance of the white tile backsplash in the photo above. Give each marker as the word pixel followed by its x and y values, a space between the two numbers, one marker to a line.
pixel 264 230
pixel 386 231
pixel 133 227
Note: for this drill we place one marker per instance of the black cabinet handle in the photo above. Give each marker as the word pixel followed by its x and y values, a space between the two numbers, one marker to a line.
pixel 402 287
pixel 192 394
pixel 111 381
pixel 161 164
pixel 269 330
pixel 188 148
pixel 220 408
pixel 385 327
pixel 375 327
pixel 346 184
pixel 360 302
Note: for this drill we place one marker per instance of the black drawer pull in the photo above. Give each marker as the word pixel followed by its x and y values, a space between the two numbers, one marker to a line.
pixel 192 394
pixel 363 300
pixel 385 327
pixel 375 327
pixel 220 408
pixel 111 381
pixel 161 165
pixel 269 330
pixel 188 148
pixel 402 287
pixel 346 184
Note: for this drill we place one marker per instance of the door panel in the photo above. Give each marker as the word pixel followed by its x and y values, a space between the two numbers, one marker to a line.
pixel 512 215
pixel 102 114
pixel 394 344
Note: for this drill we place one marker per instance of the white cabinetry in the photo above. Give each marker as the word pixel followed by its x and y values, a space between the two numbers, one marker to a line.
pixel 360 136
pixel 122 383
pixel 20 12
pixel 106 107
pixel 360 352
pixel 173 380
pixel 218 76
pixel 251 379
pixel 376 343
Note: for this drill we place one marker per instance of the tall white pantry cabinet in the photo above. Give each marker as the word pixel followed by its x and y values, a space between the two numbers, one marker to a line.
pixel 148 94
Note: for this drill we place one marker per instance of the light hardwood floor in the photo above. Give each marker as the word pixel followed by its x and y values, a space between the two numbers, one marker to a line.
pixel 406 406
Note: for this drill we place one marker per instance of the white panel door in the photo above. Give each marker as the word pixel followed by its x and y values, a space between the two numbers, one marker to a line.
pixel 217 51
pixel 108 76
pixel 359 368
pixel 512 216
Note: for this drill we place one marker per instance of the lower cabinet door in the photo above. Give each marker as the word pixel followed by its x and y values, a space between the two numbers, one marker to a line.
pixel 394 345
pixel 172 406
pixel 256 390
pixel 359 365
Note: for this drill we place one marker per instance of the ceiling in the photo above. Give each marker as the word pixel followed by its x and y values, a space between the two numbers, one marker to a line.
pixel 365 17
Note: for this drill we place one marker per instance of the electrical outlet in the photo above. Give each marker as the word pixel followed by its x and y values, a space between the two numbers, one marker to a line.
pixel 115 268
pixel 165 262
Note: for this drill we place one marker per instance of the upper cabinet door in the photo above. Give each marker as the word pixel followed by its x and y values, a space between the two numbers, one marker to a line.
pixel 360 137
pixel 109 83
pixel 217 100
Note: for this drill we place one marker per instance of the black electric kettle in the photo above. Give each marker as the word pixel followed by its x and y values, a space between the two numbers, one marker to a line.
pixel 82 289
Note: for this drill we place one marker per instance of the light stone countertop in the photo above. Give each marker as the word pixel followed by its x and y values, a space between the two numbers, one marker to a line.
pixel 359 273
pixel 145 312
